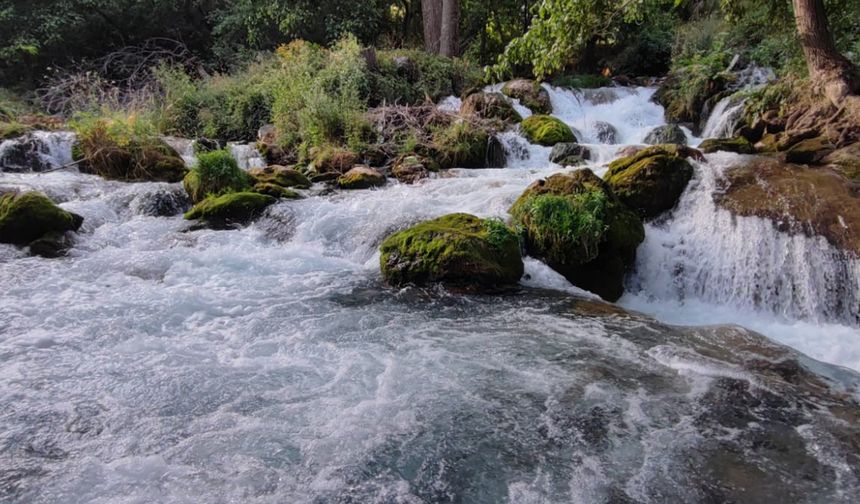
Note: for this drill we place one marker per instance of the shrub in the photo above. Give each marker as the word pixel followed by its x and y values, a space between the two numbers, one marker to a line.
pixel 216 173
pixel 462 145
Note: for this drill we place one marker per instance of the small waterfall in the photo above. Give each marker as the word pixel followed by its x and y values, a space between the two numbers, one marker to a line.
pixel 37 151
pixel 703 253
pixel 184 147
pixel 247 155
pixel 724 119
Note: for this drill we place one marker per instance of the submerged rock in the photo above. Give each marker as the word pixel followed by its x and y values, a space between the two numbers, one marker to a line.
pixel 575 224
pixel 230 209
pixel 162 203
pixel 667 134
pixel 459 250
pixel 650 182
pixel 797 199
pixel 361 177
pixel 569 154
pixel 738 145
pixel 530 94
pixel 606 133
pixel 490 106
pixel 546 130
pixel 28 216
pixel 281 176
pixel 52 245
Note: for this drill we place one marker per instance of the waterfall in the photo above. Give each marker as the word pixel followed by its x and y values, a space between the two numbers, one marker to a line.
pixel 37 151
pixel 724 119
pixel 703 253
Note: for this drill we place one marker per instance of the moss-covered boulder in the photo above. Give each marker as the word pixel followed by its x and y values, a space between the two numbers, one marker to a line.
pixel 28 216
pixel 809 151
pixel 280 175
pixel 530 94
pixel 361 177
pixel 13 129
pixel 490 106
pixel 459 250
pixel 575 224
pixel 738 145
pixel 666 134
pixel 569 154
pixel 214 174
pixel 461 145
pixel 276 191
pixel 228 210
pixel 546 130
pixel 138 160
pixel 649 184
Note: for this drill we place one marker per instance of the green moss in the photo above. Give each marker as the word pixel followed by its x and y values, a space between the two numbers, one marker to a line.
pixel 361 177
pixel 672 150
pixel 275 191
pixel 579 228
pixel 546 130
pixel 12 129
pixel 281 176
pixel 461 146
pixel 458 249
pixel 216 173
pixel 651 185
pixel 230 208
pixel 739 145
pixel 25 217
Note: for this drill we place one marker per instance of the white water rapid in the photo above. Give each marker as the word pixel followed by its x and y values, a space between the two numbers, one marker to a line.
pixel 268 364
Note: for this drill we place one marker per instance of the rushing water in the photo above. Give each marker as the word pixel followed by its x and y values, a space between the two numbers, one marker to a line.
pixel 268 364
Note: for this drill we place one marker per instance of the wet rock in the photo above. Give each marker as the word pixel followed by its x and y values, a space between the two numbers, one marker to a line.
pixel 530 94
pixel 809 151
pixel 546 130
pixel 331 162
pixel 490 106
pixel 458 250
pixel 25 217
pixel 24 154
pixel 361 177
pixel 606 133
pixel 52 245
pixel 575 224
pixel 650 182
pixel 231 209
pixel 738 145
pixel 276 191
pixel 281 176
pixel 162 203
pixel 203 144
pixel 798 199
pixel 411 169
pixel 497 156
pixel 846 160
pixel 600 96
pixel 667 134
pixel 569 154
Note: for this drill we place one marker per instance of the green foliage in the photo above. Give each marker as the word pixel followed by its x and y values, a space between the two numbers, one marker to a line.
pixel 560 224
pixel 462 145
pixel 421 76
pixel 215 173
pixel 581 81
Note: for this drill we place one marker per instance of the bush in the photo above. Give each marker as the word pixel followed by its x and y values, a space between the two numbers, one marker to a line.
pixel 463 145
pixel 216 173
pixel 423 76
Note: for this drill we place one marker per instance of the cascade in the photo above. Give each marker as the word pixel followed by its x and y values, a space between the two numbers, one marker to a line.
pixel 37 151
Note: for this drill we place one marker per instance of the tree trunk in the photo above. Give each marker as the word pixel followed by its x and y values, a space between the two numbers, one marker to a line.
pixel 449 40
pixel 832 74
pixel 431 12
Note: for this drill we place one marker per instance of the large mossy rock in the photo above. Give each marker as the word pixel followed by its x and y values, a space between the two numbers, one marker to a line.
pixel 530 94
pixel 569 154
pixel 738 145
pixel 361 177
pixel 139 160
pixel 490 106
pixel 459 250
pixel 216 173
pixel 28 216
pixel 575 224
pixel 230 209
pixel 281 176
pixel 546 130
pixel 797 199
pixel 650 182
pixel 666 134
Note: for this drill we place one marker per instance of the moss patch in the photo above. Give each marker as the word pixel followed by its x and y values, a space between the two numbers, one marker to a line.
pixel 12 130
pixel 281 176
pixel 230 209
pixel 651 185
pixel 216 173
pixel 738 145
pixel 361 177
pixel 546 130
pixel 577 226
pixel 460 250
pixel 275 191
pixel 25 217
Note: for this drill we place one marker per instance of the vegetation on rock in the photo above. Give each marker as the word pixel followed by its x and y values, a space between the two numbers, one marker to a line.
pixel 650 185
pixel 530 94
pixel 25 217
pixel 361 177
pixel 546 130
pixel 214 174
pixel 490 106
pixel 738 145
pixel 234 208
pixel 459 250
pixel 280 175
